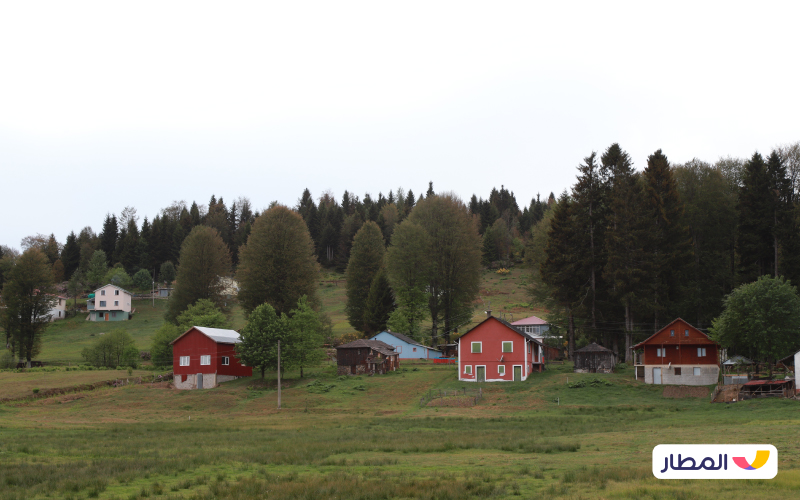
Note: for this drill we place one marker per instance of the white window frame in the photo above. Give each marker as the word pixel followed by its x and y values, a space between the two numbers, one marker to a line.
pixel 116 292
pixel 467 369
pixel 226 361
pixel 184 361
pixel 102 303
pixel 480 348
pixel 701 352
pixel 205 359
pixel 102 292
pixel 503 346
pixel 116 302
pixel 697 371
pixel 501 370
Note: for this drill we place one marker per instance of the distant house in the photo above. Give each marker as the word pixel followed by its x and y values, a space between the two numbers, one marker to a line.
pixel 496 351
pixel 165 291
pixel 406 347
pixel 594 358
pixel 109 303
pixel 59 310
pixel 538 328
pixel 205 357
pixel 363 356
pixel 677 354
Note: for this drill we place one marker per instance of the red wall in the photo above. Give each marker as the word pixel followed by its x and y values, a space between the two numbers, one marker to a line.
pixel 680 349
pixel 194 344
pixel 492 333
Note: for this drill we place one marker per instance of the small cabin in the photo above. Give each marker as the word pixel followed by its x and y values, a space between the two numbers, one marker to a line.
pixel 366 357
pixel 594 358
pixel 406 347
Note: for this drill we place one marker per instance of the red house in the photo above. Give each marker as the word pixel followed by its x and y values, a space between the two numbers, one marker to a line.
pixel 677 354
pixel 205 357
pixel 496 351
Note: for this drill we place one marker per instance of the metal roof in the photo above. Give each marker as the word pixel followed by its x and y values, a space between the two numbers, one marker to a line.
pixel 376 345
pixel 507 324
pixel 406 339
pixel 218 335
pixel 768 382
pixel 115 286
pixel 737 359
pixel 678 339
pixel 594 347
pixel 530 320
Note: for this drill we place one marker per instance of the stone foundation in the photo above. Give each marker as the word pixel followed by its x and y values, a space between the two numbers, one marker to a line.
pixel 709 374
pixel 210 380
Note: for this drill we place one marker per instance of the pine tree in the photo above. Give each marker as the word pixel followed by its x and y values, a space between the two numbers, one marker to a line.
pixel 194 212
pixel 366 260
pixel 71 255
pixel 108 237
pixel 380 304
pixel 668 241
pixel 756 220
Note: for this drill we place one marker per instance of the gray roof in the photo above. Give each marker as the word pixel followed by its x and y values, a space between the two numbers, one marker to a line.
pixel 407 339
pixel 115 286
pixel 594 347
pixel 737 359
pixel 509 325
pixel 375 345
pixel 220 335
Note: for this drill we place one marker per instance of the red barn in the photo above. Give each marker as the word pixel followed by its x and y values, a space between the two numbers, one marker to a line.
pixel 677 354
pixel 496 351
pixel 204 357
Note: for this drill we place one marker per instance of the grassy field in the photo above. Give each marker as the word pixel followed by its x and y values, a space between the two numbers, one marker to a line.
pixel 368 437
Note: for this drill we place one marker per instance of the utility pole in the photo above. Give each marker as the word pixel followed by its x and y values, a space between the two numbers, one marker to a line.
pixel 279 374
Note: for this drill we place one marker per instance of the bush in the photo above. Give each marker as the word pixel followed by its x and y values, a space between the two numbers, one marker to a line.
pixel 621 366
pixel 7 360
pixel 114 349
pixel 142 280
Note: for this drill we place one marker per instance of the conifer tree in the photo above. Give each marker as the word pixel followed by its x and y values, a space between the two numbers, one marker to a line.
pixel 71 255
pixel 756 219
pixel 108 237
pixel 366 260
pixel 380 304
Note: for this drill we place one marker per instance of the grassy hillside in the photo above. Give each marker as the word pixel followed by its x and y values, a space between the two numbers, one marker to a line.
pixel 368 437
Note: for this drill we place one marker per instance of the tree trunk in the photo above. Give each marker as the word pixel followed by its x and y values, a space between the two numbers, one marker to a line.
pixel 571 335
pixel 262 373
pixel 301 372
pixel 628 331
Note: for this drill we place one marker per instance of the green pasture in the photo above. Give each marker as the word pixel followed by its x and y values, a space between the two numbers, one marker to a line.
pixel 368 437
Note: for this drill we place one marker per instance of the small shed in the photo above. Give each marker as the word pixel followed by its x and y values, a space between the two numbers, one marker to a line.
pixel 594 358
pixel 767 389
pixel 164 291
pixel 364 356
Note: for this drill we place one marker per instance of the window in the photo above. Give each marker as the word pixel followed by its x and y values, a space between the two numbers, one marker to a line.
pixel 116 302
pixel 672 333
pixel 468 370
pixel 226 360
pixel 697 371
pixel 677 371
pixel 414 349
pixel 508 346
pixel 661 353
pixel 686 333
pixel 116 292
pixel 701 352
pixel 476 347
pixel 205 360
pixel 114 314
pixel 184 360
pixel 102 292
pixel 501 369
pixel 102 303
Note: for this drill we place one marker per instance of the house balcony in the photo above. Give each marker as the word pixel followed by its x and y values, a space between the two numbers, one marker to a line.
pixel 90 304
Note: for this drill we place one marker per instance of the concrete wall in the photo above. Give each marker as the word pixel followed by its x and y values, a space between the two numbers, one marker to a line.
pixel 210 380
pixel 709 374
pixel 100 316
pixel 123 298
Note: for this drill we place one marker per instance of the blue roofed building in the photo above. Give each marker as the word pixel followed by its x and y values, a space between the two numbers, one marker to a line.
pixel 407 347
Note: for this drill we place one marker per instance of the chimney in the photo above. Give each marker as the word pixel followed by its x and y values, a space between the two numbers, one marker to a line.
pixel 489 313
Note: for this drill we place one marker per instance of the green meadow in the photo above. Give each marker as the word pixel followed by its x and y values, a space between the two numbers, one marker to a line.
pixel 369 437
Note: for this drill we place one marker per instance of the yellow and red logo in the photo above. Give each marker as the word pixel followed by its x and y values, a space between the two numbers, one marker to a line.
pixel 761 458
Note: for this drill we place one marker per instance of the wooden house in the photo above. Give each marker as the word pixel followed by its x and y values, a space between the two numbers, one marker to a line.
pixel 364 356
pixel 496 351
pixel 205 357
pixel 594 358
pixel 677 354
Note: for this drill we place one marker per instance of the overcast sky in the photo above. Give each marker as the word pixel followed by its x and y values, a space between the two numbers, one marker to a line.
pixel 109 104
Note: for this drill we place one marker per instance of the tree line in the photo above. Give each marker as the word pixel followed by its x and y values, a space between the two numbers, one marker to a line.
pixel 625 252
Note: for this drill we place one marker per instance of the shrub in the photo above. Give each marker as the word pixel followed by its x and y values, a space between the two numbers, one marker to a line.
pixel 114 349
pixel 621 366
pixel 7 360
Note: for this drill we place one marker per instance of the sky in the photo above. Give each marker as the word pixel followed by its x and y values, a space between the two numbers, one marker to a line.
pixel 105 105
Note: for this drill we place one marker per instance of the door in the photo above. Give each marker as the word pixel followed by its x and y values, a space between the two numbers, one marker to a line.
pixel 656 375
pixel 481 372
pixel 517 373
pixel 106 315
pixel 199 380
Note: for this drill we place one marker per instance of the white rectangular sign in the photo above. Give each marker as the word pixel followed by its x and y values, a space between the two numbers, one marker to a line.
pixel 715 461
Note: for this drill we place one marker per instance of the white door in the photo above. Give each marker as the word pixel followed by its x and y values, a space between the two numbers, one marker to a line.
pixel 656 375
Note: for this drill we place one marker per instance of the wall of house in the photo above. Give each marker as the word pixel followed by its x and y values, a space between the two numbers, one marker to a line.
pixel 194 344
pixel 123 298
pixel 235 368
pixel 680 348
pixel 594 362
pixel 100 316
pixel 492 334
pixel 406 350
pixel 709 374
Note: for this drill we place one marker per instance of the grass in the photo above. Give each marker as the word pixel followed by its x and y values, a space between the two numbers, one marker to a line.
pixel 232 442
pixel 15 385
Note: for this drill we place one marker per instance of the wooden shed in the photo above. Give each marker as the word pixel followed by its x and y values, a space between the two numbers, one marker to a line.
pixel 594 358
pixel 366 357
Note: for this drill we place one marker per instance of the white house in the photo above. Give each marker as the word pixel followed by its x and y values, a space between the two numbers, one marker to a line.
pixel 109 303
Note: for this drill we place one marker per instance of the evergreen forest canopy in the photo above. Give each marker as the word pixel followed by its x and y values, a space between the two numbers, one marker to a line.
pixel 613 259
